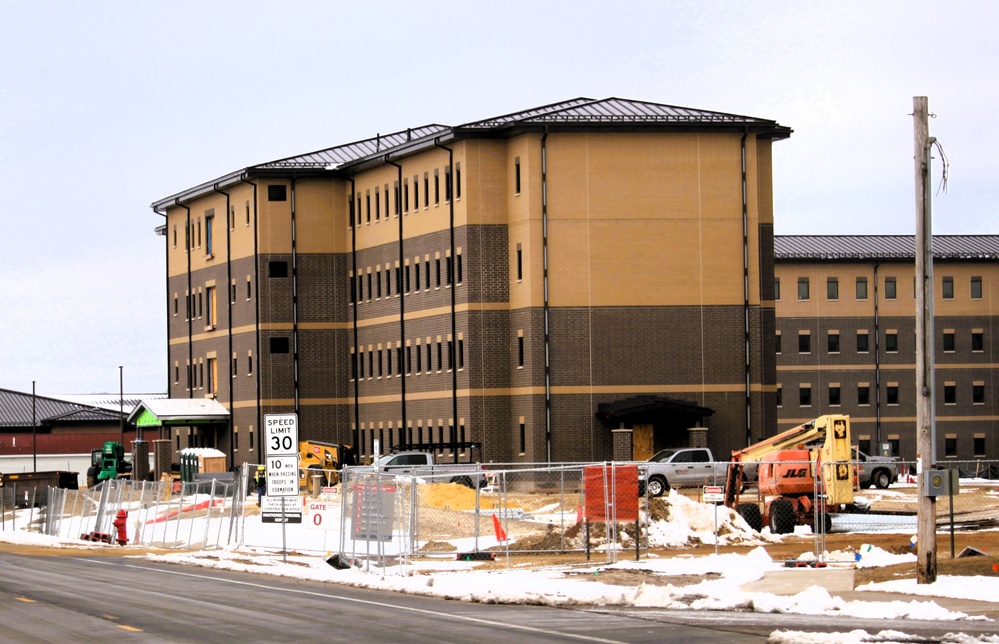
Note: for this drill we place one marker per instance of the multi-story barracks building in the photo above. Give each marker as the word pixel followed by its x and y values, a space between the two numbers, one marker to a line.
pixel 846 339
pixel 529 282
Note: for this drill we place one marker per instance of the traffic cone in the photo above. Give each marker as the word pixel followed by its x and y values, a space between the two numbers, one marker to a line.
pixel 498 529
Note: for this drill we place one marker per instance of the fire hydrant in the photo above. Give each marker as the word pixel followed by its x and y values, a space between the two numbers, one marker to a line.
pixel 121 525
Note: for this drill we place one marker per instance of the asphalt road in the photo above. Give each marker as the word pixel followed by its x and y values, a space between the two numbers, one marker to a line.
pixel 84 599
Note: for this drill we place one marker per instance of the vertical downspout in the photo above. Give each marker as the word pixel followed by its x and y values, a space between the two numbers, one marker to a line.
pixel 189 305
pixel 745 292
pixel 402 303
pixel 354 215
pixel 256 321
pixel 547 328
pixel 294 296
pixel 167 262
pixel 454 288
pixel 228 298
pixel 877 361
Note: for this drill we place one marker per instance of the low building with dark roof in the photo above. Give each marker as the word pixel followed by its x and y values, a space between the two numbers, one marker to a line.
pixel 493 282
pixel 846 324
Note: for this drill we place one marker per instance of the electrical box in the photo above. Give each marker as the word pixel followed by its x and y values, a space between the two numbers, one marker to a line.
pixel 940 482
pixel 885 449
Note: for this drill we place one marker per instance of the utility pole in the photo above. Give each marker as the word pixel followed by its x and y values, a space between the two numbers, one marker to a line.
pixel 926 532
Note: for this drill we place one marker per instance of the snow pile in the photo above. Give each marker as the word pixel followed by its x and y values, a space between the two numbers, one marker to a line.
pixel 683 521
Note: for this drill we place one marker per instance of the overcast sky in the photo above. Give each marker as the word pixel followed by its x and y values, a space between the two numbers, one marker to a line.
pixel 108 106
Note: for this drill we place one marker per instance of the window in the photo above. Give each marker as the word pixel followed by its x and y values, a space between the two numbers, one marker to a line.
pixel 461 271
pixel 948 341
pixel 437 187
pixel 450 355
pixel 832 342
pixel 520 350
pixel 978 393
pixel 440 356
pixel 890 292
pixel 861 288
pixel 447 183
pixel 864 444
pixel 437 272
pixel 175 304
pixel 277 193
pixel 249 288
pixel 409 359
pixel 232 292
pixel 950 394
pixel 520 263
pixel 461 353
pixel 210 295
pixel 416 266
pixel 209 228
pixel 892 393
pixel 834 395
pixel 450 269
pixel 213 374
pixel 863 342
pixel 367 206
pixel 386 193
pixel 948 288
pixel 378 284
pixel 426 189
pixel 378 205
pixel 523 438
pixel 976 286
pixel 277 269
pixel 457 181
pixel 426 269
pixel 430 357
pixel 863 395
pixel 175 236
pixel 802 288
pixel 804 343
pixel 979 441
pixel 777 342
pixel 977 341
pixel 777 288
pixel 249 363
pixel 398 198
pixel 248 219
pixel 405 195
pixel 516 175
pixel 380 363
pixel 950 445
pixel 832 288
pixel 398 361
pixel 891 342
pixel 280 345
pixel 419 358
pixel 805 395
pixel 780 396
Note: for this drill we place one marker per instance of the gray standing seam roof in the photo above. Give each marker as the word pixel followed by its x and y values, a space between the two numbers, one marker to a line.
pixel 886 247
pixel 15 410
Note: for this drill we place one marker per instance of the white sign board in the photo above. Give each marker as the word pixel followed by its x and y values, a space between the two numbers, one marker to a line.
pixel 280 509
pixel 282 475
pixel 281 434
pixel 322 516
pixel 714 494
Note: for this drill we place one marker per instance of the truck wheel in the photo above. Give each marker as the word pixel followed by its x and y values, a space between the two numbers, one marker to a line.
pixel 658 486
pixel 881 479
pixel 781 519
pixel 750 513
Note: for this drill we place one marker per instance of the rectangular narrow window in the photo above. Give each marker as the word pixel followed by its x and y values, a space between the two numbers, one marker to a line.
pixel 516 175
pixel 457 181
pixel 520 351
pixel 397 198
pixel 777 342
pixel 232 292
pixel 948 341
pixel 249 288
pixel 863 394
pixel 447 183
pixel 520 263
pixel 378 206
pixel 360 364
pixel 378 284
pixel 523 438
pixel 176 307
pixel 950 394
pixel 426 189
pixel 277 193
pixel 249 363
pixel 386 193
pixel 380 363
pixel 247 213
pixel 950 445
pixel 398 279
pixel 863 342
pixel 209 235
pixel 861 288
pixel 461 353
pixel 976 286
pixel 353 365
pixel 416 192
pixel 892 394
pixel 367 206
pixel 450 355
pixel 407 279
pixel 405 195
pixel 437 186
pixel 832 288
pixel 430 357
pixel 834 395
pixel 805 395
pixel 449 266
pixel 437 272
pixel 426 267
pixel 832 342
pixel 890 291
pixel 352 289
pixel 419 358
pixel 213 374
pixel 948 288
pixel 803 288
pixel 461 271
pixel 210 295
pixel 350 211
pixel 416 275
pixel 891 342
pixel 371 364
pixel 777 289
pixel 175 236
pixel 804 343
pixel 979 441
pixel 978 393
pixel 977 341
pixel 398 361
pixel 780 396
pixel 440 356
pixel 409 359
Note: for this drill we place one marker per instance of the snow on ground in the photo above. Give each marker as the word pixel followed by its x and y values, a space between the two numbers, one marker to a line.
pixel 702 583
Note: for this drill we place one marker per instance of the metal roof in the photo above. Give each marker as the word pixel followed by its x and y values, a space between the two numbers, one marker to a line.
pixel 181 409
pixel 16 410
pixel 574 113
pixel 883 247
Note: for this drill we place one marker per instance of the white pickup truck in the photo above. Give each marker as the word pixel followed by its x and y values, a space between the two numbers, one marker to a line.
pixel 684 467
pixel 422 465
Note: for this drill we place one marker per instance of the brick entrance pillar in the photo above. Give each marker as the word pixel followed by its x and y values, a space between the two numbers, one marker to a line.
pixel 697 437
pixel 622 446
